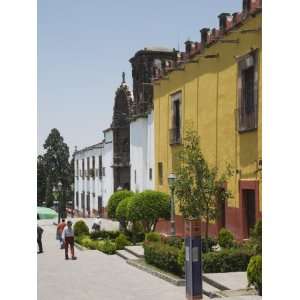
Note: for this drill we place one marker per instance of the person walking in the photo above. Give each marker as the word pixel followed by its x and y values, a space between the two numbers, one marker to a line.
pixel 39 238
pixel 68 238
pixel 59 231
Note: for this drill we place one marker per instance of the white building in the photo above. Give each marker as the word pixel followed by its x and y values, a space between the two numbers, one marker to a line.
pixel 88 180
pixel 93 182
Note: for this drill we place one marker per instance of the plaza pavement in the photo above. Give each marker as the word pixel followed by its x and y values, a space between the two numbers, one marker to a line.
pixel 95 276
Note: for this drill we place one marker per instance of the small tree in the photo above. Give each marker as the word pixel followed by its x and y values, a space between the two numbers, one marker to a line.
pixel 114 201
pixel 198 188
pixel 147 207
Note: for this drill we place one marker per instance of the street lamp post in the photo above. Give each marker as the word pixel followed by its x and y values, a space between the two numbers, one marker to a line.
pixel 171 182
pixel 59 186
pixel 56 192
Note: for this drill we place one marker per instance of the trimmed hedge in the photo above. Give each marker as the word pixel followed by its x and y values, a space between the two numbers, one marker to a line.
pixel 152 237
pixel 163 256
pixel 174 241
pixel 107 247
pixel 80 228
pixel 103 234
pixel 227 260
pixel 121 242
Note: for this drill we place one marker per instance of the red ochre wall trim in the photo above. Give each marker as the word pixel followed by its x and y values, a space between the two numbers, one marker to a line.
pixel 234 216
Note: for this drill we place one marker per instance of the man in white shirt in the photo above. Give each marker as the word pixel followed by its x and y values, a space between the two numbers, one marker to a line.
pixel 68 238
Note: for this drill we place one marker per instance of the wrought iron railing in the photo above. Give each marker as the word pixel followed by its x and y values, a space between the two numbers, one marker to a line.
pixel 246 119
pixel 175 136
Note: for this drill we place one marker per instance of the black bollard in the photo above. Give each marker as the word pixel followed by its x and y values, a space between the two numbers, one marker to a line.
pixel 193 261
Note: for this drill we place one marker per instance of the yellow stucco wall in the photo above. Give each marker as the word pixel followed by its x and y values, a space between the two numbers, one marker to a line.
pixel 209 102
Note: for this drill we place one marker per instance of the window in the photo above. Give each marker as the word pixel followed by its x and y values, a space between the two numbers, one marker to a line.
pixel 175 134
pixel 150 173
pixel 93 167
pixel 160 173
pixel 83 168
pixel 100 167
pixel 77 168
pixel 103 172
pixel 134 176
pixel 88 168
pixel 77 200
pixel 247 91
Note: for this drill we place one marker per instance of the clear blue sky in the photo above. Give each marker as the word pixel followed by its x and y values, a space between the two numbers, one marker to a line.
pixel 85 45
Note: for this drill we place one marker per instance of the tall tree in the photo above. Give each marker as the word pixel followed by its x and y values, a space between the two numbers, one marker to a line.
pixel 41 180
pixel 198 188
pixel 58 168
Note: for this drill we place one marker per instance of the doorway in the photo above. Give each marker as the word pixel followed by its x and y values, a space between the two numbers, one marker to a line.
pixel 249 210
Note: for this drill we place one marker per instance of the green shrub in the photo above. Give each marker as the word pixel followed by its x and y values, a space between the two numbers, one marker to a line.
pixel 147 207
pixel 226 260
pixel 174 241
pixel 181 257
pixel 121 241
pixel 80 228
pixel 78 239
pixel 153 237
pixel 103 234
pixel 254 273
pixel 114 201
pixel 122 212
pixel 163 256
pixel 256 238
pixel 107 247
pixel 226 238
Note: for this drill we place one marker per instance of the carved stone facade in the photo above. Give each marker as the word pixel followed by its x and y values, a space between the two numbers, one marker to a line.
pixel 148 64
pixel 121 136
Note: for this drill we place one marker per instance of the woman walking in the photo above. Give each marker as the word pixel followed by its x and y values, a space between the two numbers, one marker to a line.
pixel 68 238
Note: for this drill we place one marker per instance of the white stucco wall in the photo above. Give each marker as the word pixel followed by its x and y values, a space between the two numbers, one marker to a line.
pixel 138 154
pixel 142 153
pixel 150 151
pixel 107 161
pixel 82 184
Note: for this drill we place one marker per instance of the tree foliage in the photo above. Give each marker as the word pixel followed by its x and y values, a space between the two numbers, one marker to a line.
pixel 41 180
pixel 147 207
pixel 114 201
pixel 122 212
pixel 54 166
pixel 198 188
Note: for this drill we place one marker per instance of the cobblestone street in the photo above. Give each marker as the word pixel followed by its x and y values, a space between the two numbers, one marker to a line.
pixel 95 276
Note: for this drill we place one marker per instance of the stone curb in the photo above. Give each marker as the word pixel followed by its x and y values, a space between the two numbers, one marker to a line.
pixel 133 253
pixel 214 283
pixel 164 276
pixel 81 248
pixel 121 255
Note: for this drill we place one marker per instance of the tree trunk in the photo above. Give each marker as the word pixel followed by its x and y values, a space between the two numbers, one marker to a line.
pixel 206 233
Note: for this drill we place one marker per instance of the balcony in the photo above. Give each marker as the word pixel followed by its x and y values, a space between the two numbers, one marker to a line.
pixel 175 136
pixel 246 119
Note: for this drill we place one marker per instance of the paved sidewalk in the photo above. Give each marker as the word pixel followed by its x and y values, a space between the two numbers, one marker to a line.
pixel 95 276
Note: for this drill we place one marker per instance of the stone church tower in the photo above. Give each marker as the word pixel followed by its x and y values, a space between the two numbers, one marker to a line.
pixel 121 136
pixel 148 64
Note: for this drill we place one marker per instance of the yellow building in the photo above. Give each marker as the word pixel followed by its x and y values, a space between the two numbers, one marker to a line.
pixel 216 88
